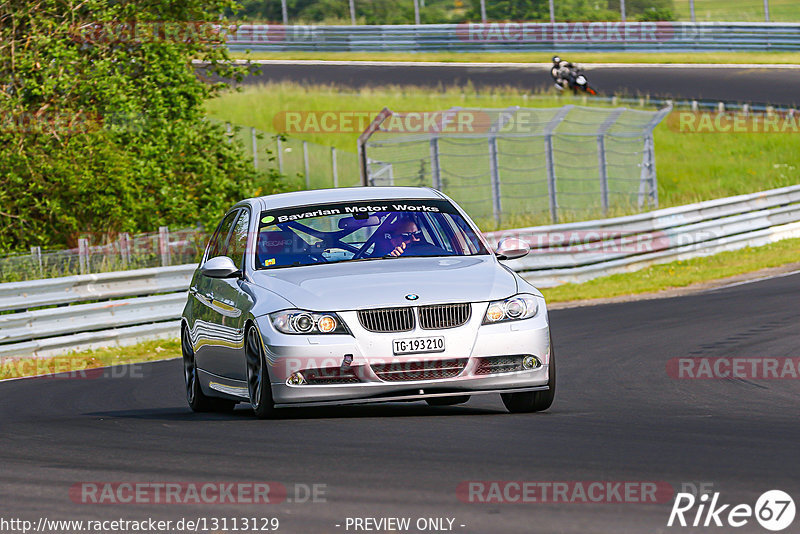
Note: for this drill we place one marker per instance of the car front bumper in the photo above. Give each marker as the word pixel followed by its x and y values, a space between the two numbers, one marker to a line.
pixel 287 354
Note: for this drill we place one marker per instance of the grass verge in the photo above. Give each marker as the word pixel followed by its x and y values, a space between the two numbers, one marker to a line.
pixel 679 274
pixel 80 364
pixel 584 58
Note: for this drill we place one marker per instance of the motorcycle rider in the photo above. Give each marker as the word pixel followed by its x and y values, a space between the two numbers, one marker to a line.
pixel 563 73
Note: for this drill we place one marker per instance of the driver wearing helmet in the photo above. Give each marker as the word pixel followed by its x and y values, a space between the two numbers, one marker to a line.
pixel 562 72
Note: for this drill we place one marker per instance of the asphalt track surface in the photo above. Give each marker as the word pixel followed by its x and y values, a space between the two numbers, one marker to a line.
pixel 775 86
pixel 617 417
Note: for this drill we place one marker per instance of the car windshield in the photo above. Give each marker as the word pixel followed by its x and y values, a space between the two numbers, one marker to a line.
pixel 370 230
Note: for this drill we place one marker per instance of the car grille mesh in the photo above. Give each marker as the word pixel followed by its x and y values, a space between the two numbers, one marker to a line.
pixel 443 316
pixel 330 375
pixel 387 319
pixel 424 370
pixel 499 364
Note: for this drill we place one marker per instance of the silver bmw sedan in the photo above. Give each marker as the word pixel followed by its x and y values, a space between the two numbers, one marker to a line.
pixel 360 295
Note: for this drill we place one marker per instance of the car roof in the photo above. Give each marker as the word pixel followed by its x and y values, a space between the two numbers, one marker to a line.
pixel 345 194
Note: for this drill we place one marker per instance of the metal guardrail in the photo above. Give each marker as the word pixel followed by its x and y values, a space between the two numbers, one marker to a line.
pixel 520 36
pixel 581 251
pixel 561 253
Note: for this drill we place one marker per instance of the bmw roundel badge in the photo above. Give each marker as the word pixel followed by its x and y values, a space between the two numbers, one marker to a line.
pixel 412 296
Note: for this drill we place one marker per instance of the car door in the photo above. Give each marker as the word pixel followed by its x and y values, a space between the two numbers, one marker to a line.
pixel 230 306
pixel 206 332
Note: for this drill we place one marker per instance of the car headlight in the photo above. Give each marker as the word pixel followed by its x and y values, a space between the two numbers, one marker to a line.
pixel 522 306
pixel 306 322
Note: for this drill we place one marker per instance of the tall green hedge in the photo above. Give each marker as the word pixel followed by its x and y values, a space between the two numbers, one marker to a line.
pixel 101 120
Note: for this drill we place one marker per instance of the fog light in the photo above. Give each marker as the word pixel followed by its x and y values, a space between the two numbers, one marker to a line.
pixel 296 379
pixel 530 362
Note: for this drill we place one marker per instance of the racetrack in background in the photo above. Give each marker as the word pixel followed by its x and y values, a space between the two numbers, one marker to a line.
pixel 756 84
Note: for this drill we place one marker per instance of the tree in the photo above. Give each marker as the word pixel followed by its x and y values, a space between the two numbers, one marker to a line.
pixel 103 128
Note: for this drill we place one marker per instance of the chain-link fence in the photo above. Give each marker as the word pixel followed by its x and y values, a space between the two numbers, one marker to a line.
pixel 124 252
pixel 306 165
pixel 520 164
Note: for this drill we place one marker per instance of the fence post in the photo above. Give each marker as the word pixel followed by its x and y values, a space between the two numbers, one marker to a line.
pixel 305 164
pixel 550 162
pixel 255 147
pixel 163 245
pixel 83 255
pixel 602 161
pixel 602 164
pixel 436 177
pixel 280 154
pixel 333 164
pixel 497 208
pixel 125 248
pixel 36 253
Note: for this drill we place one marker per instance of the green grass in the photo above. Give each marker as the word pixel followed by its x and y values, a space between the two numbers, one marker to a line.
pixel 584 58
pixel 739 10
pixel 691 167
pixel 680 273
pixel 75 363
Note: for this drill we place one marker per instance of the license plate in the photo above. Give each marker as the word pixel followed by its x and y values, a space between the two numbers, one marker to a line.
pixel 417 345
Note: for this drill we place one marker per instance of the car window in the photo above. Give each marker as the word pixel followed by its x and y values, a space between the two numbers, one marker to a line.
pixel 219 243
pixel 332 233
pixel 237 244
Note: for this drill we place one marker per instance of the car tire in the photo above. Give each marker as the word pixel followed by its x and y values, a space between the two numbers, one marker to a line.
pixel 197 400
pixel 258 381
pixel 533 401
pixel 447 401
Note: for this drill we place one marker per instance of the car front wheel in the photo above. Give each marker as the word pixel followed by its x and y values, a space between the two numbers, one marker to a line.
pixel 258 383
pixel 533 401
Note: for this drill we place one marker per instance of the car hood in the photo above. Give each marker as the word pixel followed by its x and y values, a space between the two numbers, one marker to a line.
pixel 386 282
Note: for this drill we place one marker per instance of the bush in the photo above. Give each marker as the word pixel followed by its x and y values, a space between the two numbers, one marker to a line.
pixel 102 129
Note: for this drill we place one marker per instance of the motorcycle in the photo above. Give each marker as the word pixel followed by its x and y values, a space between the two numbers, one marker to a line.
pixel 577 82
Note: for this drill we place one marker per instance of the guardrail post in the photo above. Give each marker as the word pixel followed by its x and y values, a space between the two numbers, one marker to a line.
pixel 333 164
pixel 125 248
pixel 163 245
pixel 305 164
pixel 36 254
pixel 83 255
pixel 255 147
pixel 280 154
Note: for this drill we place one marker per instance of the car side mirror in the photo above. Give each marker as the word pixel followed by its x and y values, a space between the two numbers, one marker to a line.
pixel 220 267
pixel 511 248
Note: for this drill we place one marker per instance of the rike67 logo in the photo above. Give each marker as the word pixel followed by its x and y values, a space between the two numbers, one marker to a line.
pixel 774 510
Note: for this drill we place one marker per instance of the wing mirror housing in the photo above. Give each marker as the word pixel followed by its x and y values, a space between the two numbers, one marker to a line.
pixel 511 248
pixel 220 267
